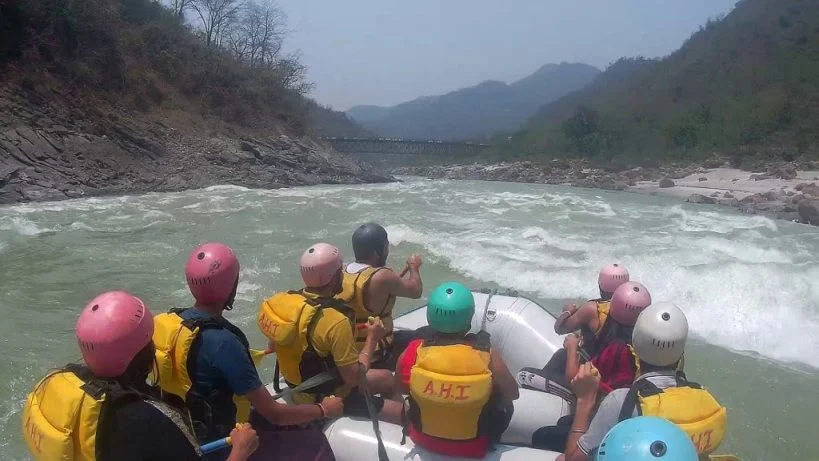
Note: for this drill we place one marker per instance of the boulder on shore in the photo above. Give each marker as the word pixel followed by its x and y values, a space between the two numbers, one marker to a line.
pixel 699 198
pixel 666 183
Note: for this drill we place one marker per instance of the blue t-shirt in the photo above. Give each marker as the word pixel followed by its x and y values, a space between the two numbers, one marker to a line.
pixel 222 362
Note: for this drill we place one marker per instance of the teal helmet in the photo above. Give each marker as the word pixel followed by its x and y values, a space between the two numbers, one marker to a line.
pixel 450 308
pixel 646 438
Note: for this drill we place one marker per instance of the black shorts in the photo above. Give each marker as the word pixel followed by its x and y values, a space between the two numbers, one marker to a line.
pixel 356 405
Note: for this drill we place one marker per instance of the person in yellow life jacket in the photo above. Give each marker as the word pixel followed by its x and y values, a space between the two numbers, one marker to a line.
pixel 104 410
pixel 461 391
pixel 311 332
pixel 205 361
pixel 659 342
pixel 370 288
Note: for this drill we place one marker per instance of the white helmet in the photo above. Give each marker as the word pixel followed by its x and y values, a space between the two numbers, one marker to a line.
pixel 659 335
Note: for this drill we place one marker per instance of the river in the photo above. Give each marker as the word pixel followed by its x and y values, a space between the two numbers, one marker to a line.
pixel 748 284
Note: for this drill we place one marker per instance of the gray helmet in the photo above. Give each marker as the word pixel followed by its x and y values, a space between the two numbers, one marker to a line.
pixel 659 335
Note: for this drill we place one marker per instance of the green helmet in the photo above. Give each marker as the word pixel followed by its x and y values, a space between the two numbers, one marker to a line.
pixel 450 308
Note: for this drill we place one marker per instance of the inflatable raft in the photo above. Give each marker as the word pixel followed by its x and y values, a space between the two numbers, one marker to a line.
pixel 523 333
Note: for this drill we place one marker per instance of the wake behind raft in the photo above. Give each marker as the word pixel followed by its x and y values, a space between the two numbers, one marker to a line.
pixel 523 333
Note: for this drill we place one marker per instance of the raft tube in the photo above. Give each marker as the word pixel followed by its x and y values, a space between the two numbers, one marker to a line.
pixel 352 439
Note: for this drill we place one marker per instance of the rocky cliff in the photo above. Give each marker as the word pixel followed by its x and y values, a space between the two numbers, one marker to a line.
pixel 54 147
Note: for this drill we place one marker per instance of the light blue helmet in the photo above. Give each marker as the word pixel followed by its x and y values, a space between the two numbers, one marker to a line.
pixel 646 438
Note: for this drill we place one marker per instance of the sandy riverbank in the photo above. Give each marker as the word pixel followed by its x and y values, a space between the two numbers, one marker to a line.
pixel 781 191
pixel 736 183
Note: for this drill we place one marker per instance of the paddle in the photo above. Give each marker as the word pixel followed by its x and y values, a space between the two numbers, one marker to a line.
pixel 382 451
pixel 213 447
pixel 257 355
pixel 723 458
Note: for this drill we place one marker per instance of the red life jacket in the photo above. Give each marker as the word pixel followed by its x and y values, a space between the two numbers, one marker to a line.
pixel 617 365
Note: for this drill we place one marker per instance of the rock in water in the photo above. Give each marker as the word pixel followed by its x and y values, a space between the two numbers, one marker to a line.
pixel 809 212
pixel 699 198
pixel 666 183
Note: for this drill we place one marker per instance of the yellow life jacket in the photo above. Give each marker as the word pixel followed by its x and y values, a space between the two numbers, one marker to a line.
pixel 354 287
pixel 61 416
pixel 174 338
pixel 289 319
pixel 603 308
pixel 450 386
pixel 593 340
pixel 688 405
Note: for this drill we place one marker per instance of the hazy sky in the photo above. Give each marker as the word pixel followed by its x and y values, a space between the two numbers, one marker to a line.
pixel 389 51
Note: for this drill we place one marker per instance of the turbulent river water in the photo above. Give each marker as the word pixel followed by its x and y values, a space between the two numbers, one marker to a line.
pixel 749 285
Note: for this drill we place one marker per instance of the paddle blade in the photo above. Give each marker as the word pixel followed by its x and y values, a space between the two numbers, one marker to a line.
pixel 257 356
pixel 723 458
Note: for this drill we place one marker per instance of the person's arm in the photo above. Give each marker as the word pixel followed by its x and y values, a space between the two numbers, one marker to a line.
pixel 574 318
pixel 571 343
pixel 387 283
pixel 241 375
pixel 342 345
pixel 244 442
pixel 282 414
pixel 586 433
pixel 503 379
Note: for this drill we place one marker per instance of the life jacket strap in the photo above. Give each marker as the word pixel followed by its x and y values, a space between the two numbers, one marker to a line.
pixel 480 341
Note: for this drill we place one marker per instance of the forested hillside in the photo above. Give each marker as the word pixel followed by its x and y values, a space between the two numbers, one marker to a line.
pixel 746 85
pixel 222 56
pixel 125 96
pixel 475 112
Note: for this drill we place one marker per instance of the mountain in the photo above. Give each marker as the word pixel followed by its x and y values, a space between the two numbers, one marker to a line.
pixel 325 121
pixel 368 114
pixel 478 111
pixel 746 85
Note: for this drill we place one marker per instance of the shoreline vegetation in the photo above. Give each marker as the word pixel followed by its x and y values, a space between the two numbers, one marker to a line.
pixel 787 191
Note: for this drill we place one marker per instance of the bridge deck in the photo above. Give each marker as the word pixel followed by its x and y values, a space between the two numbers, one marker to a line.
pixel 404 146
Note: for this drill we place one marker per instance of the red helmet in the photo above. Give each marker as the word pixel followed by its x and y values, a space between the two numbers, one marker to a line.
pixel 212 272
pixel 319 264
pixel 628 301
pixel 111 331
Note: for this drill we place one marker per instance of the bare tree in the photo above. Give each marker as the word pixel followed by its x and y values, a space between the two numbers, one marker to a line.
pixel 179 6
pixel 257 38
pixel 292 74
pixel 217 16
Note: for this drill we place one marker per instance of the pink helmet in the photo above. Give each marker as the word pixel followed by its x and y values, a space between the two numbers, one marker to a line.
pixel 319 264
pixel 111 330
pixel 628 301
pixel 212 272
pixel 611 277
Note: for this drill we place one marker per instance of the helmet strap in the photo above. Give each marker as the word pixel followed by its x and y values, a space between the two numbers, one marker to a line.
pixel 232 298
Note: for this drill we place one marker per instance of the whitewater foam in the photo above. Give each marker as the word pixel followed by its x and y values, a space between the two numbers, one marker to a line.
pixel 21 226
